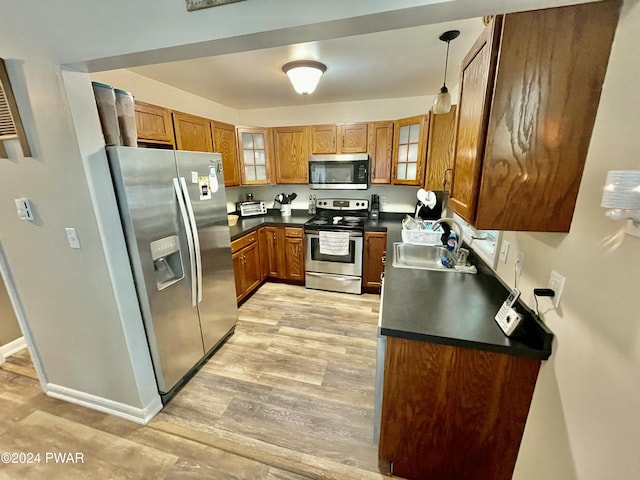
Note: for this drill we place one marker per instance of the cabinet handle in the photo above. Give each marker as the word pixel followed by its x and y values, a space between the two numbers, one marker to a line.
pixel 384 259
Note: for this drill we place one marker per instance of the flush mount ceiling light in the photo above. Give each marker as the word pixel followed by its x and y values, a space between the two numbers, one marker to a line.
pixel 304 75
pixel 442 103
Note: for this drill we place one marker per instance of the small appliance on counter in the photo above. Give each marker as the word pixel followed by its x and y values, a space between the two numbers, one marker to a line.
pixel 430 204
pixel 375 207
pixel 249 209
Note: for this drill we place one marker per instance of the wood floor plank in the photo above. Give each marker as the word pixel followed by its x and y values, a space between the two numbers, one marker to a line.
pixel 292 461
pixel 102 455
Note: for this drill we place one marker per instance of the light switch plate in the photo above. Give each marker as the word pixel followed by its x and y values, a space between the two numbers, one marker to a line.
pixel 504 251
pixel 72 237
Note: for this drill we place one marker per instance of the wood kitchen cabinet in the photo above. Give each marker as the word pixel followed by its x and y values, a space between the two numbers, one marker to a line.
pixel 293 254
pixel 342 138
pixel 154 125
pixel 375 246
pixel 292 147
pixel 283 252
pixel 224 142
pixel 450 412
pixel 273 251
pixel 380 150
pixel 254 151
pixel 440 148
pixel 529 93
pixel 353 138
pixel 192 133
pixel 409 150
pixel 246 264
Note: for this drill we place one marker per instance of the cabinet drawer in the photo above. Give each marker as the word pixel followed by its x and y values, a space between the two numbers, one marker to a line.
pixel 242 242
pixel 293 232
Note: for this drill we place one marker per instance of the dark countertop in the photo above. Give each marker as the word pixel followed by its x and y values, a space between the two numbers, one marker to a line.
pixel 273 217
pixel 454 309
pixel 445 308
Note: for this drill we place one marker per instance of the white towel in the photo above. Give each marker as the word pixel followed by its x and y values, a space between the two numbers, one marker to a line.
pixel 334 243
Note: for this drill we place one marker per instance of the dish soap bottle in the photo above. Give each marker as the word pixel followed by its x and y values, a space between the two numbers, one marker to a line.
pixel 452 241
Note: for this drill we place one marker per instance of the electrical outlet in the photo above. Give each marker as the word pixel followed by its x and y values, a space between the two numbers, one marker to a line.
pixel 519 265
pixel 556 283
pixel 504 251
pixel 383 200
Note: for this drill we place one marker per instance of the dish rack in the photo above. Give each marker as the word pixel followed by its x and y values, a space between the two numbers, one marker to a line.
pixel 415 232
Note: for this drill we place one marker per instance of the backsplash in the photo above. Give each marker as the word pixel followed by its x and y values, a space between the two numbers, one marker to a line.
pixel 398 198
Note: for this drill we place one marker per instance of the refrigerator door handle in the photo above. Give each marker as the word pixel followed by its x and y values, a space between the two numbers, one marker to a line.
pixel 187 226
pixel 196 238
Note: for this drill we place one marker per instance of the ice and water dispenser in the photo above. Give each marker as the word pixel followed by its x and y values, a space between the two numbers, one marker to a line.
pixel 167 261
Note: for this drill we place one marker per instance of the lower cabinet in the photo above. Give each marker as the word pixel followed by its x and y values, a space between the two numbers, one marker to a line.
pixel 269 252
pixel 245 254
pixel 375 246
pixel 293 254
pixel 282 250
pixel 451 412
pixel 272 251
pixel 277 252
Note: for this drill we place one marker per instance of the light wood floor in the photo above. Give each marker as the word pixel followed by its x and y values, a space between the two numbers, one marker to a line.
pixel 288 397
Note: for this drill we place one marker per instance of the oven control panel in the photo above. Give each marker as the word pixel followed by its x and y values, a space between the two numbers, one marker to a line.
pixel 342 204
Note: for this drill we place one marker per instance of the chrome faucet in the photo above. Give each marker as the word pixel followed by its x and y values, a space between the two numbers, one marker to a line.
pixel 452 223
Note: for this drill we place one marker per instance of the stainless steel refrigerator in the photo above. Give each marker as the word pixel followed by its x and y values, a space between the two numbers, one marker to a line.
pixel 173 210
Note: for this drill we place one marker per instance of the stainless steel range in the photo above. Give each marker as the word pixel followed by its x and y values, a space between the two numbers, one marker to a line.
pixel 334 243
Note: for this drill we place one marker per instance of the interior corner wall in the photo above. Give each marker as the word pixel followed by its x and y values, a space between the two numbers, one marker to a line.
pixel 584 421
pixel 67 294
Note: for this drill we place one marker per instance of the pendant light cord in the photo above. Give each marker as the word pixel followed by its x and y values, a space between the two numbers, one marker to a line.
pixel 446 63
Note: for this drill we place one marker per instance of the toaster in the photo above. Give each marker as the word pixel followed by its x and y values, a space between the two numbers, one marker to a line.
pixel 248 209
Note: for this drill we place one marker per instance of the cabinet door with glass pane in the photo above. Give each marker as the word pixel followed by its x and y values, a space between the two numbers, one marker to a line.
pixel 409 150
pixel 253 149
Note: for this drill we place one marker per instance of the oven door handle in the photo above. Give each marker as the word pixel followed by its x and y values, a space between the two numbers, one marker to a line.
pixel 352 233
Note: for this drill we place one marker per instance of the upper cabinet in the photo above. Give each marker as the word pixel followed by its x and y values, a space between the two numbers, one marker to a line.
pixel 292 146
pixel 254 152
pixel 224 142
pixel 154 124
pixel 324 139
pixel 342 138
pixel 529 93
pixel 381 151
pixel 352 138
pixel 440 148
pixel 192 133
pixel 409 145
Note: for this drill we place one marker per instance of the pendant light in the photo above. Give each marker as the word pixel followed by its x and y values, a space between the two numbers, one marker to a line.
pixel 442 103
pixel 304 75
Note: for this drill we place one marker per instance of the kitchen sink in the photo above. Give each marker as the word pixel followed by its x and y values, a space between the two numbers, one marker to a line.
pixel 425 257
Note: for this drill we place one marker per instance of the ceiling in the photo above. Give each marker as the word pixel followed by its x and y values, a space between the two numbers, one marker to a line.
pixel 390 64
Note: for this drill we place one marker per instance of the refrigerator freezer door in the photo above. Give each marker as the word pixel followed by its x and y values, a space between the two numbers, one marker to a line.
pixel 149 211
pixel 205 186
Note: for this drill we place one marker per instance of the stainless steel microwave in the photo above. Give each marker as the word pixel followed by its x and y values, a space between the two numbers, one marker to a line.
pixel 339 172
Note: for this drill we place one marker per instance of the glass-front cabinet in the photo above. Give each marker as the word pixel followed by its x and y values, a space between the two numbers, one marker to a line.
pixel 409 152
pixel 253 149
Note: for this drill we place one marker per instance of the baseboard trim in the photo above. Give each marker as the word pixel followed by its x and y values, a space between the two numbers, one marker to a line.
pixel 12 347
pixel 137 415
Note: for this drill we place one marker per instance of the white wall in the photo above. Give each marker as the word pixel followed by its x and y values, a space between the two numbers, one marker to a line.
pixel 585 417
pixel 67 295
